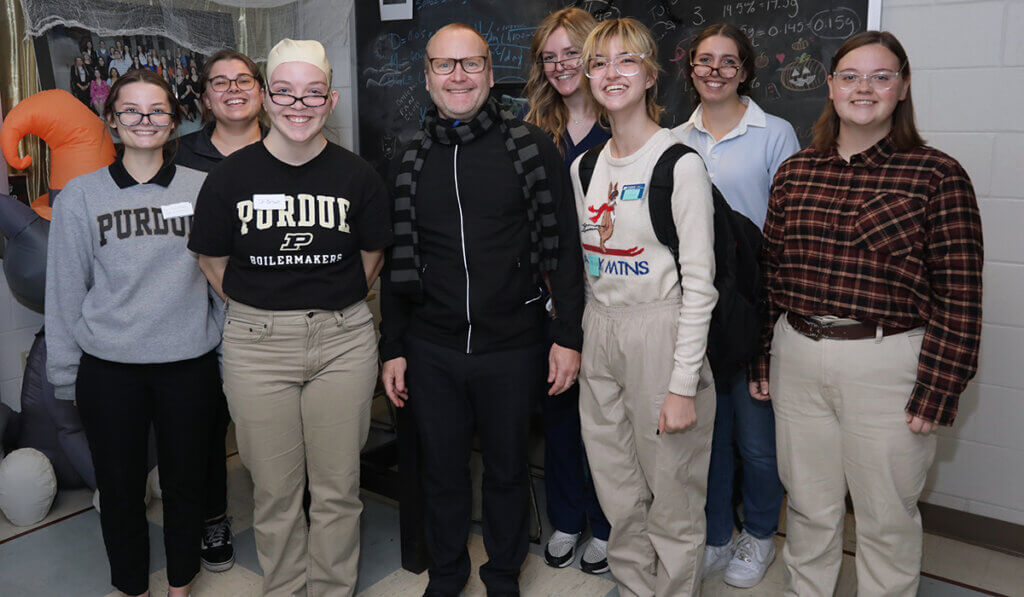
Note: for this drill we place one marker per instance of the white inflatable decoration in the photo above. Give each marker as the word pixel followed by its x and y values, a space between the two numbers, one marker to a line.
pixel 27 486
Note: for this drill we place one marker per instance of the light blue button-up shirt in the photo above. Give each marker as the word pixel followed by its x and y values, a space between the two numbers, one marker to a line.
pixel 743 164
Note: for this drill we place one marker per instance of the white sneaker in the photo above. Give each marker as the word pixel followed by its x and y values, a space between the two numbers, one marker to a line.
pixel 716 557
pixel 561 549
pixel 595 557
pixel 750 561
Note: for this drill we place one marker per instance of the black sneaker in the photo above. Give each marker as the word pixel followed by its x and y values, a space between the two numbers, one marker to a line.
pixel 561 549
pixel 216 552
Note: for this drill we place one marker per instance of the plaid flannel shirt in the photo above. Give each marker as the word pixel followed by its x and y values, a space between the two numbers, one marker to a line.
pixel 890 237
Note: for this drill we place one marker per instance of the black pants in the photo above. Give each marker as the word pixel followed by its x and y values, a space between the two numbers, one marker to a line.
pixel 451 395
pixel 215 489
pixel 118 403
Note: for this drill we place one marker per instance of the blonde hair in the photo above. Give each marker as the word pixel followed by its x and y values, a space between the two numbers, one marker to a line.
pixel 633 37
pixel 547 110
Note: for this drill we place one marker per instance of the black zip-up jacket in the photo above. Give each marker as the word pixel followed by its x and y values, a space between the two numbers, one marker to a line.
pixel 479 292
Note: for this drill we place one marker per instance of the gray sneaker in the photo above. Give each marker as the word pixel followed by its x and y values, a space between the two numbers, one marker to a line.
pixel 716 557
pixel 750 561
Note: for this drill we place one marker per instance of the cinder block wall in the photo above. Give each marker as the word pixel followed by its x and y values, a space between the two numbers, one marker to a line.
pixel 968 86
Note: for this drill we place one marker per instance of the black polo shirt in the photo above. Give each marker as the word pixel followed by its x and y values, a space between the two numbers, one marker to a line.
pixel 197 151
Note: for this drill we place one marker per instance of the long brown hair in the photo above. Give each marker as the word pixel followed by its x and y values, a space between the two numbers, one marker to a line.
pixel 904 132
pixel 743 47
pixel 634 37
pixel 145 75
pixel 547 110
pixel 226 54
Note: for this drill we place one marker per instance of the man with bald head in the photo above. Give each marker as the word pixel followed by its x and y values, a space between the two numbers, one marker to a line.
pixel 484 216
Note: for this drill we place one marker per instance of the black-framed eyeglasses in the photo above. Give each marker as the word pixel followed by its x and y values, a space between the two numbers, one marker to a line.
pixel 310 101
pixel 726 71
pixel 549 62
pixel 222 83
pixel 470 65
pixel 132 118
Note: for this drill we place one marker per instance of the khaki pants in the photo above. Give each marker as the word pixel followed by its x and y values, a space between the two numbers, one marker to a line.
pixel 840 424
pixel 299 386
pixel 652 488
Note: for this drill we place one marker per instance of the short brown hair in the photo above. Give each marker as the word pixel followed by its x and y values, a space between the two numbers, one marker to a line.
pixel 904 130
pixel 743 47
pixel 144 75
pixel 634 37
pixel 225 54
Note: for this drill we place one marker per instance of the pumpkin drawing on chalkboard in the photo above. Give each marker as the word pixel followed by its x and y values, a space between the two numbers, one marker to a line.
pixel 803 74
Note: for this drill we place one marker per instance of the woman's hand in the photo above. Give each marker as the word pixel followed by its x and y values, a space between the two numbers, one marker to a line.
pixel 759 389
pixel 919 425
pixel 678 413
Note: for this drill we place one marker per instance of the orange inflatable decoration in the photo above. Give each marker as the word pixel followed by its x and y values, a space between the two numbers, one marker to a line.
pixel 79 141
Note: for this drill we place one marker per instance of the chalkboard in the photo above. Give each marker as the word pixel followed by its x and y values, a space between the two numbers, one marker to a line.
pixel 794 41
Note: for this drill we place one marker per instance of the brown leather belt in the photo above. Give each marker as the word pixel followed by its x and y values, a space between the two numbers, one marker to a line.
pixel 854 331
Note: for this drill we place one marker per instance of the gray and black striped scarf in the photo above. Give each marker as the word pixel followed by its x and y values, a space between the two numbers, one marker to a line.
pixel 404 267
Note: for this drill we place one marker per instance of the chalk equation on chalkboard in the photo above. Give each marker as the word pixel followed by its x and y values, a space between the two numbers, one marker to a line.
pixel 394 73
pixel 832 23
pixel 790 7
pixel 602 10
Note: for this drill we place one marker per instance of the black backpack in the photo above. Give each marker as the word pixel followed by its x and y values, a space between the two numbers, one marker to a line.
pixel 734 336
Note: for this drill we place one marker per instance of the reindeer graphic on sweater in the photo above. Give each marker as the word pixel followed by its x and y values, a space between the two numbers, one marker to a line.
pixel 603 221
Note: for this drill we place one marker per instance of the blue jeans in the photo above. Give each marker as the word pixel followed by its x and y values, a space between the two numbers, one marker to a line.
pixel 752 424
pixel 571 499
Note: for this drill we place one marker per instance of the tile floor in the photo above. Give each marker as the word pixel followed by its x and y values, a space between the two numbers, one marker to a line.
pixel 63 555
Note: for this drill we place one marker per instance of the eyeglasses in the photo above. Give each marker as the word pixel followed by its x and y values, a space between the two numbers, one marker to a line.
pixel 470 65
pixel 550 62
pixel 132 118
pixel 627 65
pixel 222 83
pixel 287 99
pixel 726 71
pixel 881 80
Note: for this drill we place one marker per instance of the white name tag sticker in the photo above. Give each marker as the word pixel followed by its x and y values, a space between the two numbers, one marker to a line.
pixel 176 210
pixel 269 202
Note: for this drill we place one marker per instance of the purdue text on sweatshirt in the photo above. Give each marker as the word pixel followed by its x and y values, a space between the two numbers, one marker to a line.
pixel 120 283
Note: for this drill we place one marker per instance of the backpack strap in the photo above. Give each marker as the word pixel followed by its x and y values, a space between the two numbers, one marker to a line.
pixel 659 198
pixel 587 164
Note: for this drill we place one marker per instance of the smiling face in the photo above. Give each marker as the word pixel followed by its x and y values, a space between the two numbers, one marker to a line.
pixel 298 123
pixel 141 97
pixel 458 95
pixel 618 93
pixel 565 79
pixel 233 105
pixel 718 51
pixel 863 106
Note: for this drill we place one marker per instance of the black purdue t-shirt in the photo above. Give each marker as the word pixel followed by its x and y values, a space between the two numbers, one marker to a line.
pixel 292 233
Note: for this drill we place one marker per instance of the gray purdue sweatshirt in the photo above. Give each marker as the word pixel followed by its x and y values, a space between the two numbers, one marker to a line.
pixel 120 283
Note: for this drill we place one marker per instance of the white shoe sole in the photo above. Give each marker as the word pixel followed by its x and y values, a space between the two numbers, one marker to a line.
pixel 219 566
pixel 746 583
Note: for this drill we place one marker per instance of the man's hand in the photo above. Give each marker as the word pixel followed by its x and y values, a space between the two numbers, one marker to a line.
pixel 678 413
pixel 919 425
pixel 393 376
pixel 759 389
pixel 563 367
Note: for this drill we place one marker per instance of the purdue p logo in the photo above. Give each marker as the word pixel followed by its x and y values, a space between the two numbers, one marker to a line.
pixel 293 241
